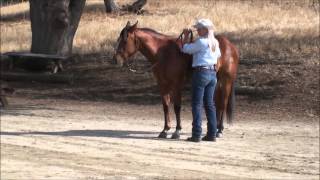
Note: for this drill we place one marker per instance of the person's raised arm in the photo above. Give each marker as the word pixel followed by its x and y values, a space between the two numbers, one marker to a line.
pixel 191 48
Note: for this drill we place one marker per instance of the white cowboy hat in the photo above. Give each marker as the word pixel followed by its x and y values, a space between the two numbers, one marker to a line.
pixel 203 23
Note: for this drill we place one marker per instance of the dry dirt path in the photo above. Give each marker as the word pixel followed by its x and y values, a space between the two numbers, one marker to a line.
pixel 48 139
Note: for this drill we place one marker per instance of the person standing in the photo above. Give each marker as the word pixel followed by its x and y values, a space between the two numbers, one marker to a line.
pixel 205 51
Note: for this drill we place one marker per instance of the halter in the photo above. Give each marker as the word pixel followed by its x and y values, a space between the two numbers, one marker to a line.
pixel 130 65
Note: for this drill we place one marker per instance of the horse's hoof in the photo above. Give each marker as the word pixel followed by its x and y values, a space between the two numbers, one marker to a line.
pixel 175 136
pixel 163 135
pixel 219 135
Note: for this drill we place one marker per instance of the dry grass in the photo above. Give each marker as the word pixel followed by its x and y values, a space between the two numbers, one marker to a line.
pixel 14 9
pixel 268 28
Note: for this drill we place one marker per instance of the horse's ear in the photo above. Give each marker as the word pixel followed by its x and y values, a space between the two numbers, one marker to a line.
pixel 128 24
pixel 135 24
pixel 134 27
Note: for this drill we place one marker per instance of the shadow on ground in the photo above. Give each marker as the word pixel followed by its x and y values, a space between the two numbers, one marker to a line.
pixel 28 110
pixel 126 134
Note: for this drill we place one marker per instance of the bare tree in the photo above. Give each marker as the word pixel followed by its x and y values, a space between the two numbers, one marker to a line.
pixel 111 6
pixel 53 25
pixel 135 7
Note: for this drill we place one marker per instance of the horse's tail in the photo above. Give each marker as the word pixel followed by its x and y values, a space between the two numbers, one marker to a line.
pixel 231 104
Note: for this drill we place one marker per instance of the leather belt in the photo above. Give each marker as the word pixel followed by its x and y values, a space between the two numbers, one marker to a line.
pixel 204 68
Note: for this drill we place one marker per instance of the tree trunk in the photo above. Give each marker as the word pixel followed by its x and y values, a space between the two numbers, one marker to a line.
pixel 54 24
pixel 135 7
pixel 111 6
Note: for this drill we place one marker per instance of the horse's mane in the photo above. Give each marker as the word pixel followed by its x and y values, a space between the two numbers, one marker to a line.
pixel 155 33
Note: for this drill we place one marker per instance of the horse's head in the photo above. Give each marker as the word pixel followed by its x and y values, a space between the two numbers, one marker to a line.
pixel 126 44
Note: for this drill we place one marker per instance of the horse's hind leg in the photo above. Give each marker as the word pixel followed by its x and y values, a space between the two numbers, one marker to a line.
pixel 219 106
pixel 225 94
pixel 167 123
pixel 220 126
pixel 177 110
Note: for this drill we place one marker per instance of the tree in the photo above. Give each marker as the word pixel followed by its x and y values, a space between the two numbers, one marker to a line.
pixel 111 6
pixel 136 7
pixel 54 24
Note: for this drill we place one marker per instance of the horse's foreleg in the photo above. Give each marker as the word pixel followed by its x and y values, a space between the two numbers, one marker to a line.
pixel 177 110
pixel 167 123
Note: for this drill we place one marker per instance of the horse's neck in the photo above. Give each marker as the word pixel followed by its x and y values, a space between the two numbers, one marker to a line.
pixel 150 45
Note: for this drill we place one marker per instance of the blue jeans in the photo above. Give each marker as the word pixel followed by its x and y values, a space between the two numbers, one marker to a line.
pixel 203 87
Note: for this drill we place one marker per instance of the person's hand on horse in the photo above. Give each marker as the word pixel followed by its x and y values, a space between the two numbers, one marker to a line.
pixel 186 32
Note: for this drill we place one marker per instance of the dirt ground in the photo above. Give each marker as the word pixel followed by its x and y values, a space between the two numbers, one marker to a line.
pixel 105 124
pixel 68 139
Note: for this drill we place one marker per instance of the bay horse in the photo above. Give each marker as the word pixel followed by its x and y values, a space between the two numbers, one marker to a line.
pixel 170 67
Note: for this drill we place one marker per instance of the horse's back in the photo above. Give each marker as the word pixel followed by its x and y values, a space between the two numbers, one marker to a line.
pixel 229 60
pixel 227 48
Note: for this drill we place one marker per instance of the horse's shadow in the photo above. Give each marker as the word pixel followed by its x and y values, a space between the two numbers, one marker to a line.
pixel 122 134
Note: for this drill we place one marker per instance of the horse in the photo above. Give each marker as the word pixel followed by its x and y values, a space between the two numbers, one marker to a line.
pixel 170 68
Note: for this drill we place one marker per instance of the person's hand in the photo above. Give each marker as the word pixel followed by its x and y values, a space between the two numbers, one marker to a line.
pixel 186 32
